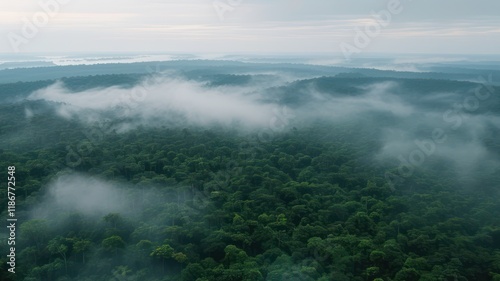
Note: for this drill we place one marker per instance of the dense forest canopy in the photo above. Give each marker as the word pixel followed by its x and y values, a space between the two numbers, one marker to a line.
pixel 218 170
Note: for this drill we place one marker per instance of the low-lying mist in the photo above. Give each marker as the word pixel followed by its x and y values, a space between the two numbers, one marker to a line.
pixel 170 101
pixel 95 197
pixel 414 123
pixel 76 193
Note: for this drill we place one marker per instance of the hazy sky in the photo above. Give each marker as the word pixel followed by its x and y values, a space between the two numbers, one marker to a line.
pixel 253 26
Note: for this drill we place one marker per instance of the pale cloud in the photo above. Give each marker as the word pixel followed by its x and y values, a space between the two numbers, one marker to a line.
pixel 175 100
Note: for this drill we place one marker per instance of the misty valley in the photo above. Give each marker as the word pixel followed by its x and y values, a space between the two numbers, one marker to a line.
pixel 224 170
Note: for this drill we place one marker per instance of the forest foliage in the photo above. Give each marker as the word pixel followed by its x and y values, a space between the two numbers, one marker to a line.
pixel 214 203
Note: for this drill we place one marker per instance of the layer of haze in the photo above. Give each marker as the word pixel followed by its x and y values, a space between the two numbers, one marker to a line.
pixel 396 118
pixel 162 101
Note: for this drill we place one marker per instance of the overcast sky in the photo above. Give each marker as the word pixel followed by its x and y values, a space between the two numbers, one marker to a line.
pixel 253 26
